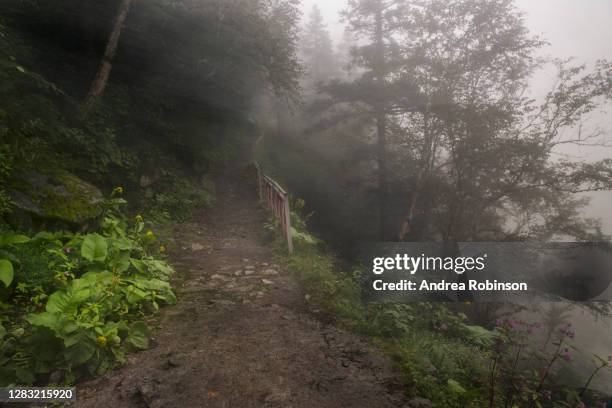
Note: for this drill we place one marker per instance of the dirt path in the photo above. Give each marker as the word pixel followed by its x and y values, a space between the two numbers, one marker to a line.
pixel 241 334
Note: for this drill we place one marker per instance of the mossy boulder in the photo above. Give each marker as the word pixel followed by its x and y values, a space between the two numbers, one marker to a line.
pixel 59 196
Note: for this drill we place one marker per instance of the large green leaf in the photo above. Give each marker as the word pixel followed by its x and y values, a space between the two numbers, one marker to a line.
pixel 139 265
pixel 133 294
pixel 67 302
pixel 151 284
pixel 6 272
pixel 162 289
pixel 13 239
pixel 94 248
pixel 91 280
pixel 80 347
pixel 45 236
pixel 159 269
pixel 139 335
pixel 120 262
pixel 123 244
pixel 46 319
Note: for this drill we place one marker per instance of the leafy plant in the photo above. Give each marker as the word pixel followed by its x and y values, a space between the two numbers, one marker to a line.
pixel 180 201
pixel 6 265
pixel 90 314
pixel 442 355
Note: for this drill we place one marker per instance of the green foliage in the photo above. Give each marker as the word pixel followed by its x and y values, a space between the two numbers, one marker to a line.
pixel 182 109
pixel 6 272
pixel 299 231
pixel 179 202
pixel 339 293
pixel 187 119
pixel 74 301
pixel 82 312
pixel 442 356
pixel 94 248
pixel 39 122
pixel 6 167
pixel 299 221
pixel 436 351
pixel 391 320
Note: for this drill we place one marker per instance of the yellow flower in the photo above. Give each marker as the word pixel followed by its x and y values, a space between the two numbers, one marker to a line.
pixel 101 340
pixel 162 249
pixel 118 190
pixel 138 218
pixel 150 234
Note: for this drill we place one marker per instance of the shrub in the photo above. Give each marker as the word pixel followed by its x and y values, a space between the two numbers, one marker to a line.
pixel 76 302
pixel 181 201
pixel 442 356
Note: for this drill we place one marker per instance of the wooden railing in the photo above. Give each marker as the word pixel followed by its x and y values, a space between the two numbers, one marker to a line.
pixel 274 197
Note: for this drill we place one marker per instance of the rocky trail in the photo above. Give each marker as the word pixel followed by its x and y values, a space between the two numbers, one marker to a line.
pixel 242 333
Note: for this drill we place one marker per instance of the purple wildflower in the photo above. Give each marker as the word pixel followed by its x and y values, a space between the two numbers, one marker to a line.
pixel 566 355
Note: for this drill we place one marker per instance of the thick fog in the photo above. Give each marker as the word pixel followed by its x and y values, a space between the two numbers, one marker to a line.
pixel 578 29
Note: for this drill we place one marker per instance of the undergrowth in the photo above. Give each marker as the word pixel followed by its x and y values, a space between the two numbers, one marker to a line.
pixel 441 356
pixel 180 201
pixel 74 303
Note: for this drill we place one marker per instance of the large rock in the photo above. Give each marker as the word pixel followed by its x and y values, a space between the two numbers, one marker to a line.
pixel 59 196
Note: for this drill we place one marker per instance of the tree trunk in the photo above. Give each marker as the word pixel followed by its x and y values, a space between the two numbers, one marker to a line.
pixel 381 125
pixel 383 182
pixel 99 84
pixel 427 156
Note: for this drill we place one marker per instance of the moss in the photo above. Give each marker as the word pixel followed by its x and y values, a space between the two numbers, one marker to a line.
pixel 83 201
pixel 61 195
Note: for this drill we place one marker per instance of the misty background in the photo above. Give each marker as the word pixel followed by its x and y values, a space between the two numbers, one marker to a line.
pixel 577 30
pixel 574 29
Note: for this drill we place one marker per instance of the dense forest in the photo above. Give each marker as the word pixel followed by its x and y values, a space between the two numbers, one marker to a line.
pixel 433 122
pixel 419 124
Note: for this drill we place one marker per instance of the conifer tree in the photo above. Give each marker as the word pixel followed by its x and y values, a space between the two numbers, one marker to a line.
pixel 317 49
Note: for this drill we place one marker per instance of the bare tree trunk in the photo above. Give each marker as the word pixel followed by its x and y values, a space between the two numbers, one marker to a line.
pixel 427 155
pixel 406 224
pixel 99 84
pixel 381 126
pixel 383 182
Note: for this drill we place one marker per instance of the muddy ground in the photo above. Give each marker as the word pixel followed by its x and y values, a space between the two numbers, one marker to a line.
pixel 242 333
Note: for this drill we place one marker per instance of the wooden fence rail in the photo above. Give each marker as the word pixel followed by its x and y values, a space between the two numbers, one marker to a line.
pixel 274 197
